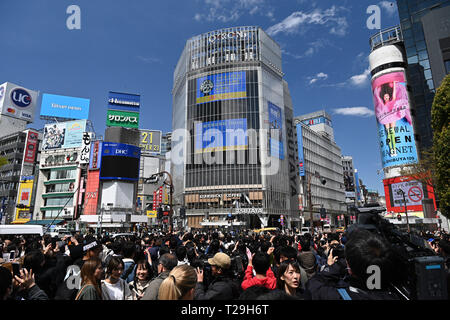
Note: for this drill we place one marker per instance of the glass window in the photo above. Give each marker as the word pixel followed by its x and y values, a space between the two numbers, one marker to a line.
pixel 425 64
pixel 423 55
pixel 427 74
pixel 420 45
pixel 413 59
pixel 447 66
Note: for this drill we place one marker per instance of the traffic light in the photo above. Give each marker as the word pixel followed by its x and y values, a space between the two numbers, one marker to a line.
pixel 160 213
pixel 323 213
pixel 399 217
pixel 182 212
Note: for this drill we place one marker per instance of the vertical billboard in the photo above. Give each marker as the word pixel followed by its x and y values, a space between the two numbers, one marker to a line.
pixel 123 110
pixel 91 194
pixel 31 146
pixel 221 86
pixel 301 157
pixel 56 106
pixel 221 135
pixel 415 192
pixel 63 135
pixel 95 156
pixel 150 142
pixel 17 102
pixel 275 131
pixel 24 199
pixel 395 129
pixel 86 148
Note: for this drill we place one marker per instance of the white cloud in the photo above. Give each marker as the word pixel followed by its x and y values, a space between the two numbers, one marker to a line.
pixel 319 76
pixel 355 111
pixel 313 48
pixel 390 7
pixel 360 79
pixel 231 10
pixel 327 17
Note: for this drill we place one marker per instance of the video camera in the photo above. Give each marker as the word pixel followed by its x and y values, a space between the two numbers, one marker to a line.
pixel 421 274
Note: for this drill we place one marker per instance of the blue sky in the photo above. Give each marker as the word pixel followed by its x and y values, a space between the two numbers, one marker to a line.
pixel 133 46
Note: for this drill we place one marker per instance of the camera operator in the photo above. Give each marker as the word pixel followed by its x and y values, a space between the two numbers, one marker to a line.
pixel 221 287
pixel 362 250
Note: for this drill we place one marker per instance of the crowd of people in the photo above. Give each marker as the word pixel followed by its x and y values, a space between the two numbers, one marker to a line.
pixel 201 265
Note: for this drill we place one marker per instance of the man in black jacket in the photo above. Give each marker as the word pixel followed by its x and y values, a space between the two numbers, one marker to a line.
pixel 363 250
pixel 221 287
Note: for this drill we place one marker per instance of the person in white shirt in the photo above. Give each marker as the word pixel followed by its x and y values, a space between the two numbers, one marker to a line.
pixel 113 287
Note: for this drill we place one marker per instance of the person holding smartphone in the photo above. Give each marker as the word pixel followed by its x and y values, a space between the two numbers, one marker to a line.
pixel 23 285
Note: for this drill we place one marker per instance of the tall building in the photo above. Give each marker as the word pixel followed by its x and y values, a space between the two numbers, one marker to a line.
pixel 349 178
pixel 233 143
pixel 425 30
pixel 18 177
pixel 323 169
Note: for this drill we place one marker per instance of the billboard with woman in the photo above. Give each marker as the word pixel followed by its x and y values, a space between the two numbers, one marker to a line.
pixel 395 129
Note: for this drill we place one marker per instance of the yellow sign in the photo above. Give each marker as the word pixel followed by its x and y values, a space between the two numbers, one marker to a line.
pixel 24 198
pixel 152 213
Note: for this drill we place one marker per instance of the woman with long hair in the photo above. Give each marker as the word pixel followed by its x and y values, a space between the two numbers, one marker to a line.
pixel 179 285
pixel 114 287
pixel 142 278
pixel 288 279
pixel 91 274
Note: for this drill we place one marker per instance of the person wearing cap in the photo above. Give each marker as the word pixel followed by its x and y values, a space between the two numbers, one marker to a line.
pixel 221 286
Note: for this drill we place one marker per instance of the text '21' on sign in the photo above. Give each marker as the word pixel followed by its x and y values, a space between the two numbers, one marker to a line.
pixel 150 141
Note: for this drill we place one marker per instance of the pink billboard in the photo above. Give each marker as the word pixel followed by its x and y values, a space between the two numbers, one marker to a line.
pixel 395 129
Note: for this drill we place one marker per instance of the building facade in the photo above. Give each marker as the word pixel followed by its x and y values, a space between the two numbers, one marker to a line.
pixel 421 78
pixel 18 177
pixel 228 93
pixel 324 175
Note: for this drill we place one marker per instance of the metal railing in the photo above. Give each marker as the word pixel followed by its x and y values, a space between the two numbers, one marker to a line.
pixel 385 37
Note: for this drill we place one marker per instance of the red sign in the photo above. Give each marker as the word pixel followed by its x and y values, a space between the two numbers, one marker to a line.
pixel 91 195
pixel 31 146
pixel 414 194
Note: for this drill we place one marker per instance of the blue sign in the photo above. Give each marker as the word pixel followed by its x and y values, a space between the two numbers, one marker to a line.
pixel 120 149
pixel 275 122
pixel 21 98
pixel 222 86
pixel 124 101
pixel 64 107
pixel 301 157
pixel 221 135
pixel 319 120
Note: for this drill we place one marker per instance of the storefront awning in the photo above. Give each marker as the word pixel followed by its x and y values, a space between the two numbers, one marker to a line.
pixel 45 222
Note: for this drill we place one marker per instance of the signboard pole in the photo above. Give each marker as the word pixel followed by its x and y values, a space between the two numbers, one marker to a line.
pixel 406 208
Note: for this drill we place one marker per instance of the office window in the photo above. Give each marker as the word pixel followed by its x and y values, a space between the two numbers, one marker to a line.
pixel 447 66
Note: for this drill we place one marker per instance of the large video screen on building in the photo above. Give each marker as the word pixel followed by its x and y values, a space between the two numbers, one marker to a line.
pixel 395 129
pixel 64 107
pixel 221 86
pixel 221 135
pixel 63 135
pixel 119 161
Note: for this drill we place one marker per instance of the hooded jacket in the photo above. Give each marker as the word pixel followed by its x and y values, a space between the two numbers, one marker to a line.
pixel 270 282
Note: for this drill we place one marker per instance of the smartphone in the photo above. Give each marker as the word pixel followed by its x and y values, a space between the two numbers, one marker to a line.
pixel 12 255
pixel 16 269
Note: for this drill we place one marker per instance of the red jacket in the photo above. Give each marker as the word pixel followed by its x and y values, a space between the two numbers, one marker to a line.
pixel 269 281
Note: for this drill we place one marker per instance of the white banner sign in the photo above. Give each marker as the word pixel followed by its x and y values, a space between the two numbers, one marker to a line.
pixel 413 193
pixel 86 148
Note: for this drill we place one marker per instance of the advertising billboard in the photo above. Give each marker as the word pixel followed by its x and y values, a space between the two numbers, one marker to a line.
pixel 414 193
pixel 91 194
pixel 17 102
pixel 275 139
pixel 31 146
pixel 24 198
pixel 57 106
pixel 318 120
pixel 150 142
pixel 95 156
pixel 301 157
pixel 124 101
pixel 63 135
pixel 119 162
pixel 395 129
pixel 86 147
pixel 221 135
pixel 118 118
pixel 222 86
